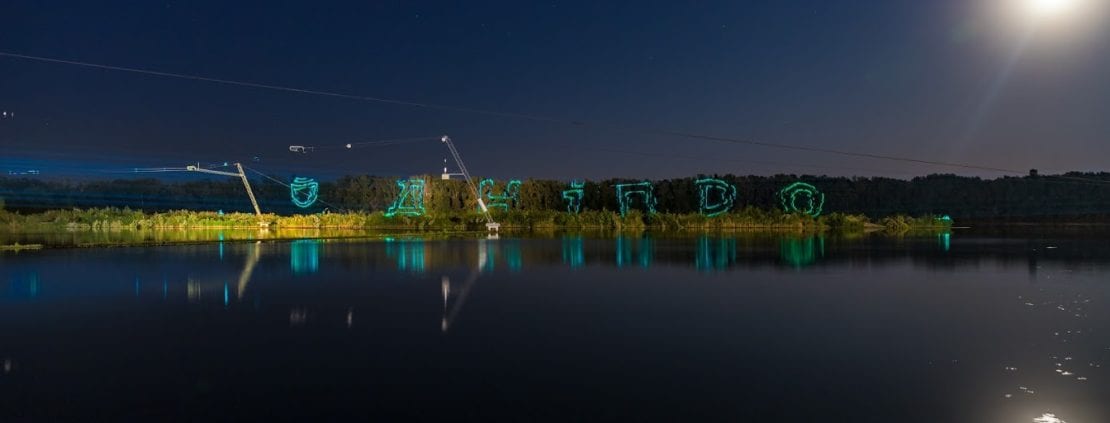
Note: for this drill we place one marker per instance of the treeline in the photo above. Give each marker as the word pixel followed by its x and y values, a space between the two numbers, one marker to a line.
pixel 1073 196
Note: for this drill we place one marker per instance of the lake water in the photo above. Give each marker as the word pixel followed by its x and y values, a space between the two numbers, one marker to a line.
pixel 962 327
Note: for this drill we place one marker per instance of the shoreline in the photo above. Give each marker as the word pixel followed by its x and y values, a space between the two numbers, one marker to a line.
pixel 53 238
pixel 92 228
pixel 456 220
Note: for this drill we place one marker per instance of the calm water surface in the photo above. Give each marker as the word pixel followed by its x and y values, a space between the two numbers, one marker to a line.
pixel 952 328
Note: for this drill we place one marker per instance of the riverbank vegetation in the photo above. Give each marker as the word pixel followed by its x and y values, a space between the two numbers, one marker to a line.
pixel 1073 197
pixel 17 247
pixel 749 218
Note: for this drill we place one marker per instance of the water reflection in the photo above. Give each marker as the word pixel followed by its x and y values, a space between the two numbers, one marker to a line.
pixel 715 253
pixel 407 252
pixel 454 299
pixel 645 250
pixel 304 256
pixel 574 253
pixel 1048 418
pixel 800 252
pixel 23 285
pixel 487 257
pixel 910 296
pixel 194 290
pixel 514 257
pixel 248 268
pixel 707 252
pixel 638 247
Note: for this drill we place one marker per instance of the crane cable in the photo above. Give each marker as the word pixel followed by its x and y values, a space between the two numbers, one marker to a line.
pixel 350 145
pixel 539 118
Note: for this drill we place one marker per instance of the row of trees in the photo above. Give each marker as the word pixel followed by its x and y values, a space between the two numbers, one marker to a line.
pixel 1071 195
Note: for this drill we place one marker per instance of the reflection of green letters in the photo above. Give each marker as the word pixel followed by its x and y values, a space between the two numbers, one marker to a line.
pixel 715 196
pixel 574 196
pixel 574 252
pixel 801 197
pixel 507 199
pixel 644 190
pixel 801 252
pixel 644 251
pixel 303 191
pixel 513 255
pixel 304 256
pixel 715 253
pixel 410 201
pixel 409 253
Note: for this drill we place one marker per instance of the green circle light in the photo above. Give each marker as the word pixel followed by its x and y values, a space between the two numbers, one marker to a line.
pixel 801 197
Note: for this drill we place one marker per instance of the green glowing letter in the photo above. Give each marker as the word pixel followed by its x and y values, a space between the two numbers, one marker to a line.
pixel 716 196
pixel 645 190
pixel 574 196
pixel 508 198
pixel 303 191
pixel 801 197
pixel 410 201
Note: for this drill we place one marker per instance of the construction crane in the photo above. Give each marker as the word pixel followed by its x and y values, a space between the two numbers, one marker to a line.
pixel 240 175
pixel 491 225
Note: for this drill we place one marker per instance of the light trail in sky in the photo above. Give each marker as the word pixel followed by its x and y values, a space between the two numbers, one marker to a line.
pixel 982 109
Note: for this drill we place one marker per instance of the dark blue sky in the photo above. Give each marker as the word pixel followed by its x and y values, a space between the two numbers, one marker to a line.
pixel 904 78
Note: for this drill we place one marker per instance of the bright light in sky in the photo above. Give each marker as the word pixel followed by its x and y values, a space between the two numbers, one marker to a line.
pixel 1048 24
pixel 1051 8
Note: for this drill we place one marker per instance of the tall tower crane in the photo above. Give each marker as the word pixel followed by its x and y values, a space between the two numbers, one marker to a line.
pixel 491 225
pixel 240 174
pixel 197 168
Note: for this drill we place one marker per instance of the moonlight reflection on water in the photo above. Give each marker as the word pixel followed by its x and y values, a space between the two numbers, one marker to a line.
pixel 636 325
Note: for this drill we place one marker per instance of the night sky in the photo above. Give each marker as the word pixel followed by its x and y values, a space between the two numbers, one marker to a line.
pixel 934 80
